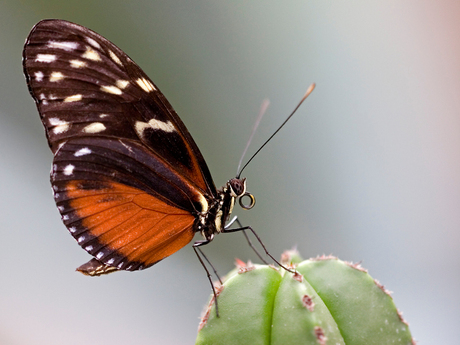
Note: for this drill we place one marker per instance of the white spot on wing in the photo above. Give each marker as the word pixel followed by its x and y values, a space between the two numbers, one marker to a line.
pixel 89 248
pixel 111 261
pixel 45 58
pixel 68 46
pixel 122 83
pixel 91 54
pixel 54 121
pixel 103 115
pixel 204 203
pixel 56 76
pixel 99 255
pixel 73 98
pixel 73 229
pixel 95 127
pixel 60 126
pixel 68 170
pixel 77 63
pixel 145 84
pixel 82 152
pixel 38 76
pixel 111 89
pixel 115 58
pixel 155 124
pixel 93 42
pixel 81 239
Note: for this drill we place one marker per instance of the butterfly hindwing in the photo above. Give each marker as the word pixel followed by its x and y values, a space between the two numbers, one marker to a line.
pixel 128 178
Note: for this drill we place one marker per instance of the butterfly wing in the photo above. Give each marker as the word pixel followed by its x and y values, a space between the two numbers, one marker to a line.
pixel 127 176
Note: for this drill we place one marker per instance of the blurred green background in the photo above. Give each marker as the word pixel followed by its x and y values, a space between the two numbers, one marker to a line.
pixel 368 169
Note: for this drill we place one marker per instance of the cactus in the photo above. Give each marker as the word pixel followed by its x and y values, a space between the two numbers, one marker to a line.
pixel 326 302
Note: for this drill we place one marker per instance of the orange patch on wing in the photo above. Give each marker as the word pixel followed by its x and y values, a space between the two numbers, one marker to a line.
pixel 131 222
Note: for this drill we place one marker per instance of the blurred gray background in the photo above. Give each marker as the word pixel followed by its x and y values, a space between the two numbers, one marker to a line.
pixel 368 170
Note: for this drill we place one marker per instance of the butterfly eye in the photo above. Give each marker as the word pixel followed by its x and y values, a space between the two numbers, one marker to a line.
pixel 237 187
pixel 252 201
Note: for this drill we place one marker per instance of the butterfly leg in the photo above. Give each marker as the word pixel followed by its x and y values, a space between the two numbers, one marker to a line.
pixel 233 220
pixel 243 228
pixel 230 223
pixel 202 243
pixel 198 251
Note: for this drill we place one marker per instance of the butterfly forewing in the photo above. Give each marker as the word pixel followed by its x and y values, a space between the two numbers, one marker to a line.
pixel 128 178
pixel 86 86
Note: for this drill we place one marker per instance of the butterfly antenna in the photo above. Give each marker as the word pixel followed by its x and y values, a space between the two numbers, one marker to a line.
pixel 263 109
pixel 309 91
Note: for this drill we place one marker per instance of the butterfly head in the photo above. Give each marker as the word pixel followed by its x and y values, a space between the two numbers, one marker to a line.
pixel 237 188
pixel 213 220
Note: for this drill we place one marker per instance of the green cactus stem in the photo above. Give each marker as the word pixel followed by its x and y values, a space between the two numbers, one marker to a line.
pixel 327 302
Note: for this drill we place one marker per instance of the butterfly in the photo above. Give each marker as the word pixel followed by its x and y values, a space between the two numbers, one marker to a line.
pixel 128 179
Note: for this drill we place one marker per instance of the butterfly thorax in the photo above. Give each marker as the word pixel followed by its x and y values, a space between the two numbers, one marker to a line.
pixel 213 220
